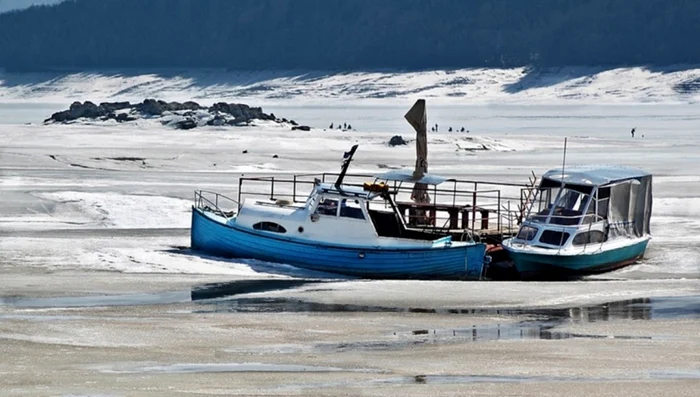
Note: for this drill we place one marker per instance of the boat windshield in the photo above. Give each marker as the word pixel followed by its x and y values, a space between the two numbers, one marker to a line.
pixel 560 206
pixel 569 207
pixel 542 204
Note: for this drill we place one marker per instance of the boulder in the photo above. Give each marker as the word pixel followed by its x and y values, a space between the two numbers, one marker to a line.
pixel 301 127
pixel 177 106
pixel 150 107
pixel 192 105
pixel 186 124
pixel 397 140
pixel 88 109
pixel 217 120
pixel 111 107
pixel 58 117
pixel 123 117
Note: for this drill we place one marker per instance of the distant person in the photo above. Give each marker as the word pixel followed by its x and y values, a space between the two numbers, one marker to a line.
pixel 436 127
pixel 449 129
pixel 331 127
pixel 462 130
pixel 349 127
pixel 345 126
pixel 633 130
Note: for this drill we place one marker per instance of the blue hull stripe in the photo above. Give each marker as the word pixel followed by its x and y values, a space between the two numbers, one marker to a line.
pixel 372 262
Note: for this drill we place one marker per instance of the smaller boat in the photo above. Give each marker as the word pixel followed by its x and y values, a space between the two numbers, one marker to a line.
pixel 343 229
pixel 583 220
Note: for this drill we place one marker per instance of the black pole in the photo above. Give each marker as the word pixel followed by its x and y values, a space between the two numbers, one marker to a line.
pixel 347 158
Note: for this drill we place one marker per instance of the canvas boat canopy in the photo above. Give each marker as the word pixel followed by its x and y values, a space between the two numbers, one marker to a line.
pixel 408 176
pixel 594 175
pixel 620 196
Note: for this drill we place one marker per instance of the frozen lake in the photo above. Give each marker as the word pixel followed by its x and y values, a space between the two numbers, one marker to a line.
pixel 77 222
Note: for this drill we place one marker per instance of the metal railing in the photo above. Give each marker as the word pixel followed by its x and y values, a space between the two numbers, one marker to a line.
pixel 209 201
pixel 480 206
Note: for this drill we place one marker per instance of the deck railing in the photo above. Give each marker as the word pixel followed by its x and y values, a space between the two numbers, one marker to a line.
pixel 455 205
pixel 210 201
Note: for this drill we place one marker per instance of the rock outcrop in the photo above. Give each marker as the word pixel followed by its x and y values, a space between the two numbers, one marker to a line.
pixel 178 115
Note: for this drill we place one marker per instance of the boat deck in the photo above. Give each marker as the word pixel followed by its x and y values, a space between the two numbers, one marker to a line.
pixel 490 210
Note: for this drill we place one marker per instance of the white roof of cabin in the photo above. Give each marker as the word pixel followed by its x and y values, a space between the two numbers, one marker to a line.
pixel 353 191
pixel 594 174
pixel 407 176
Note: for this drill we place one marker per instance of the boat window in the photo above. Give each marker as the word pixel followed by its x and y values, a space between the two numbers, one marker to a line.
pixel 350 208
pixel 554 237
pixel 569 207
pixel 603 202
pixel 591 216
pixel 270 227
pixel 527 233
pixel 327 207
pixel 592 237
pixel 542 204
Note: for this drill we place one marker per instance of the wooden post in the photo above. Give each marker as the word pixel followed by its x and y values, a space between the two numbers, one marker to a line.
pixel 484 219
pixel 454 218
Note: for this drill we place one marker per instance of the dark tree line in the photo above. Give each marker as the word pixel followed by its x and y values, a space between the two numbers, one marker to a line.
pixel 349 34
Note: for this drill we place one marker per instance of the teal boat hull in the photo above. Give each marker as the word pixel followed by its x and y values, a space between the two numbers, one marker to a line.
pixel 534 266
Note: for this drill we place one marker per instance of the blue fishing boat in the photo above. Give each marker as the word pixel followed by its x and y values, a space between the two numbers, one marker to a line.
pixel 583 220
pixel 343 229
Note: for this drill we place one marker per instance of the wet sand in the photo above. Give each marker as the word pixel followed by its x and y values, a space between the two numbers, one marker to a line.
pixel 171 335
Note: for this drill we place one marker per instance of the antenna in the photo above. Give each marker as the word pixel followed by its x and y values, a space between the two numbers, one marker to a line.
pixel 563 165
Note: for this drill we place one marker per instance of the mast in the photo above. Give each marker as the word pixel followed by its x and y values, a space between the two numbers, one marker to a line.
pixel 347 158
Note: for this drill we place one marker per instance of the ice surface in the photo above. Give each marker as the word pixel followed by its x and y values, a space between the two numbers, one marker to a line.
pixel 116 198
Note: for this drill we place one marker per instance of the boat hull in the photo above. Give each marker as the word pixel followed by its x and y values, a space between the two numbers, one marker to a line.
pixel 537 266
pixel 442 262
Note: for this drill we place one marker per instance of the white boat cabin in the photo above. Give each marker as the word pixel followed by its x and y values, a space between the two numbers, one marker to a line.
pixel 587 205
pixel 342 216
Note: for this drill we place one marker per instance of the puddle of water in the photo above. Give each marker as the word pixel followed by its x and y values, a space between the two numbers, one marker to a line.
pixel 676 374
pixel 462 379
pixel 471 379
pixel 222 290
pixel 635 309
pixel 500 332
pixel 233 367
pixel 99 300
pixel 207 291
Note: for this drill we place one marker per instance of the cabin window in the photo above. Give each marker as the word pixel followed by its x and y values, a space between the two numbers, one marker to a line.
pixel 350 208
pixel 327 207
pixel 542 204
pixel 553 237
pixel 527 233
pixel 569 207
pixel 592 237
pixel 603 202
pixel 270 227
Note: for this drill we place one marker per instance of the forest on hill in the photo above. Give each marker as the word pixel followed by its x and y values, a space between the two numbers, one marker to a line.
pixel 348 35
